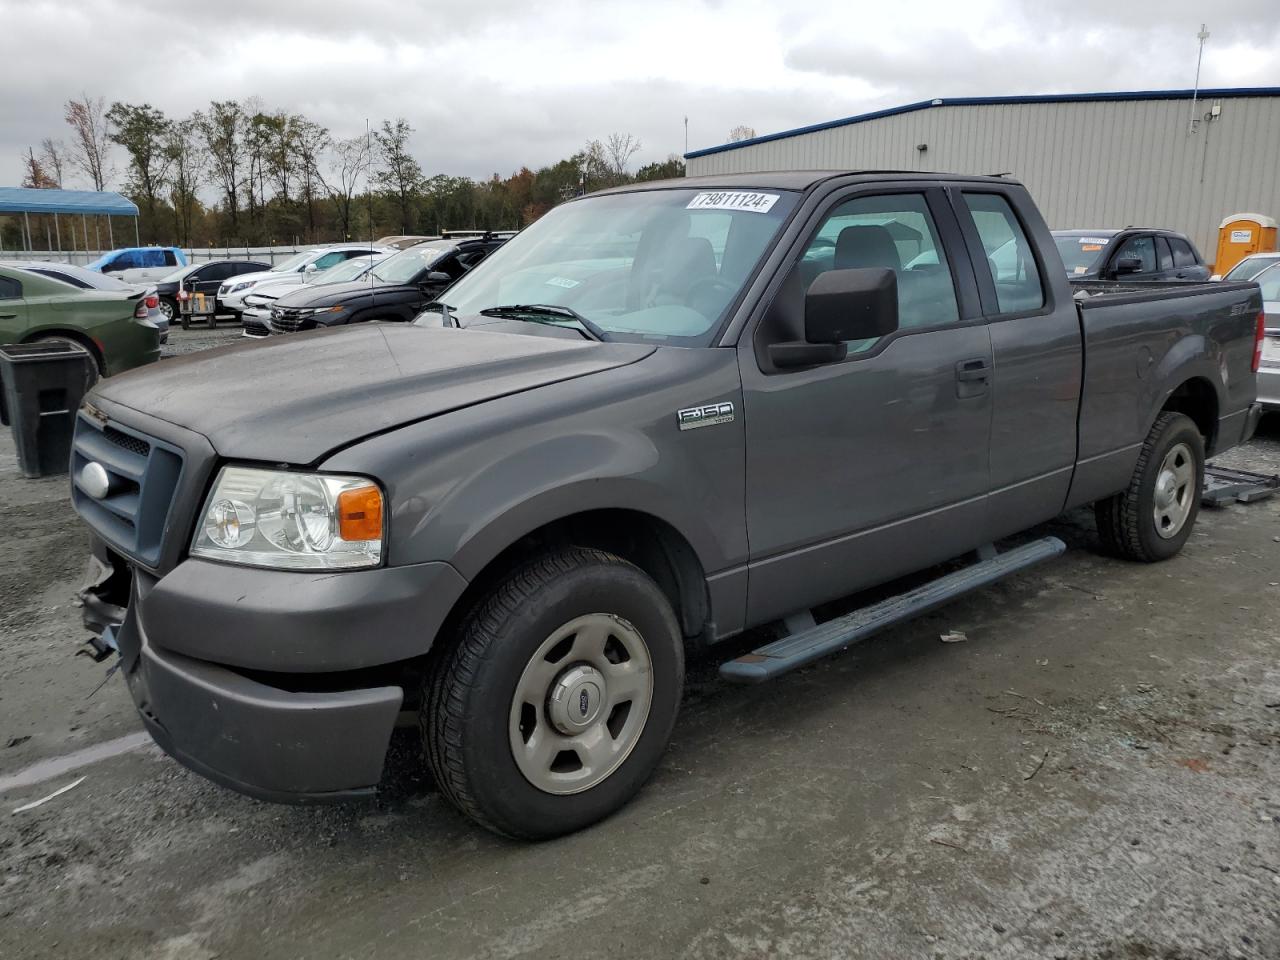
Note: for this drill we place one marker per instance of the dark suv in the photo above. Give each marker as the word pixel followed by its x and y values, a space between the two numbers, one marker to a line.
pixel 1134 253
pixel 396 289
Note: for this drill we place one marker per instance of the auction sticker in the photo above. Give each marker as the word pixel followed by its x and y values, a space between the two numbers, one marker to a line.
pixel 733 200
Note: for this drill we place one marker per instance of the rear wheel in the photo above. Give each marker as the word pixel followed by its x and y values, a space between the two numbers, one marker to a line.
pixel 96 371
pixel 1154 516
pixel 558 699
pixel 169 309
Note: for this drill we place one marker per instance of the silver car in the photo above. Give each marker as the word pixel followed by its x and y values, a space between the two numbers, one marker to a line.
pixel 1269 370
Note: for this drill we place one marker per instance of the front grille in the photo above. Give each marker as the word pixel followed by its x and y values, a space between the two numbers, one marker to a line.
pixel 288 321
pixel 143 474
pixel 128 441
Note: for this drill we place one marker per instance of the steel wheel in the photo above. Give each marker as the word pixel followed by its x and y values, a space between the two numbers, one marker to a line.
pixel 167 311
pixel 581 704
pixel 1175 488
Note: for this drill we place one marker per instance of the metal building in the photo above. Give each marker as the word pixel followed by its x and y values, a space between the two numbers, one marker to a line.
pixel 1154 158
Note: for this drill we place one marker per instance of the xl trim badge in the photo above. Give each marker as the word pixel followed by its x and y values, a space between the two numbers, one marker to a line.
pixel 690 418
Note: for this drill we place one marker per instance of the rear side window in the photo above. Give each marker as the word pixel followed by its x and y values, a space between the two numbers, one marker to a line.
pixel 894 231
pixel 169 259
pixel 1183 255
pixel 64 277
pixel 1009 256
pixel 9 289
pixel 1163 255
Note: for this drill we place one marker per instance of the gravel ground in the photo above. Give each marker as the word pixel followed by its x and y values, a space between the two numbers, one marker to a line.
pixel 1094 773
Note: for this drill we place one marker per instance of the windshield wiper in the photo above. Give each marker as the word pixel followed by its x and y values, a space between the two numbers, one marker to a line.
pixel 445 310
pixel 532 311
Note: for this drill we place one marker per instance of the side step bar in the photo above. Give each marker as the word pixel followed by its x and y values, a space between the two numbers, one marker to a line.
pixel 789 653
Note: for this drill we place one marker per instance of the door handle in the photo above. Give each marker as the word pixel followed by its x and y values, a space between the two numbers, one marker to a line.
pixel 970 371
pixel 8 316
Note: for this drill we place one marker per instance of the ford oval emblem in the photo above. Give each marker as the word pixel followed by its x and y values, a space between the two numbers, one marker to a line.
pixel 94 480
pixel 584 702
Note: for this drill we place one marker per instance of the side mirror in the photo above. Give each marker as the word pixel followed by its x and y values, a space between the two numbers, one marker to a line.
pixel 438 276
pixel 842 305
pixel 309 268
pixel 1127 265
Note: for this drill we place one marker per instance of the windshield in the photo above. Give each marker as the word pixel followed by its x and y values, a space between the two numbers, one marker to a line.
pixel 294 262
pixel 1249 268
pixel 1269 281
pixel 1080 254
pixel 659 265
pixel 407 264
pixel 347 270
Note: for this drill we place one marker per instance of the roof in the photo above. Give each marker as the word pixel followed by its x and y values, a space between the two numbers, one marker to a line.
pixel 788 180
pixel 1261 219
pixel 1111 97
pixel 26 200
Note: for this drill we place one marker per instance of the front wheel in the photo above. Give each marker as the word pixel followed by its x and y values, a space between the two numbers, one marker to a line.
pixel 169 309
pixel 558 699
pixel 1154 516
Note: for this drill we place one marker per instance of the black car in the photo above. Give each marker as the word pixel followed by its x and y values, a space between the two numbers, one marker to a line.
pixel 396 289
pixel 1134 253
pixel 201 278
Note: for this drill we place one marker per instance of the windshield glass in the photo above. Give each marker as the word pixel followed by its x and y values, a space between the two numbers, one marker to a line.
pixel 653 265
pixel 407 264
pixel 1269 281
pixel 1080 254
pixel 1248 268
pixel 294 262
pixel 347 270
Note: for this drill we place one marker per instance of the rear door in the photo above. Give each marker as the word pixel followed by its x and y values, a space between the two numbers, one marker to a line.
pixel 866 469
pixel 1186 263
pixel 208 278
pixel 13 310
pixel 1036 348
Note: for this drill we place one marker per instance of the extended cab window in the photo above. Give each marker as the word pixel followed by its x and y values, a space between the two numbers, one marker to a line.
pixel 9 289
pixel 894 232
pixel 1009 255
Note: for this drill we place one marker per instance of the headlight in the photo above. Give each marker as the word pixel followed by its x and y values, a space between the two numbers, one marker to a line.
pixel 292 521
pixel 243 286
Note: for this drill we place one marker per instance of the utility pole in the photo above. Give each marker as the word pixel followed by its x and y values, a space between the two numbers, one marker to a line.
pixel 686 133
pixel 1202 36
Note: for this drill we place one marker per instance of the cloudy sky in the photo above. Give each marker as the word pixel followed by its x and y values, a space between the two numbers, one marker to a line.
pixel 494 84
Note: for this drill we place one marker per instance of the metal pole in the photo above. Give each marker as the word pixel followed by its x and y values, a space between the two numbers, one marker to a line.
pixel 136 241
pixel 27 221
pixel 1202 36
pixel 57 232
pixel 110 239
pixel 97 233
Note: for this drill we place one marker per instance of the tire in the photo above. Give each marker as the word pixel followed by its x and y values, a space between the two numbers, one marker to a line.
pixel 96 373
pixel 169 310
pixel 497 747
pixel 1138 523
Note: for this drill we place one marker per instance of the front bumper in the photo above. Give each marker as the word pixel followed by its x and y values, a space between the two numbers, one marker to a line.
pixel 268 682
pixel 254 322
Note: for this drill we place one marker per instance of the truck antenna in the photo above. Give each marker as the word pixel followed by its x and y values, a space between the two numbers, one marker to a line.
pixel 1202 36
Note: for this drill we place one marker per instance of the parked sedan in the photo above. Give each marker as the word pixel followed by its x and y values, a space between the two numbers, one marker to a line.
pixel 258 304
pixel 396 289
pixel 1269 370
pixel 201 278
pixel 87 279
pixel 231 293
pixel 111 324
pixel 1134 253
pixel 1249 267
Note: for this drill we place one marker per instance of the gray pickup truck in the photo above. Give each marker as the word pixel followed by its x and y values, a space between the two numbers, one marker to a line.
pixel 660 416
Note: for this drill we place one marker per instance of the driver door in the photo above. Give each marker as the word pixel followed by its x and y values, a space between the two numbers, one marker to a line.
pixel 864 470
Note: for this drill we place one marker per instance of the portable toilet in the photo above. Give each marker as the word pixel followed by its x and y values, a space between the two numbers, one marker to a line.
pixel 1241 234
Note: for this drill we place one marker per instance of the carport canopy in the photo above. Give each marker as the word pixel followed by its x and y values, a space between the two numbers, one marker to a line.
pixel 26 200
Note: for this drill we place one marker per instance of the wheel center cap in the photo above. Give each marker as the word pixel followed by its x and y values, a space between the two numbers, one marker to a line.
pixel 576 698
pixel 1165 490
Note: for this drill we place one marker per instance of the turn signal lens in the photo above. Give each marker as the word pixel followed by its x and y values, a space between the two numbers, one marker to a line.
pixel 360 513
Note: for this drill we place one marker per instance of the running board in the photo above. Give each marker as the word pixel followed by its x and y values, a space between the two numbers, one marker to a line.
pixel 789 653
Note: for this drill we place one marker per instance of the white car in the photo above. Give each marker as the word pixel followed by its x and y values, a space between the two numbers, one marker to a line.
pixel 258 301
pixel 232 293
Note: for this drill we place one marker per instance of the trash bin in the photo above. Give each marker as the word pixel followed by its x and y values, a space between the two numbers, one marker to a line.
pixel 42 386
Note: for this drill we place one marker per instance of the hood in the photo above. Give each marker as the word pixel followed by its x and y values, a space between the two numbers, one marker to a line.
pixel 273 291
pixel 257 278
pixel 293 399
pixel 328 294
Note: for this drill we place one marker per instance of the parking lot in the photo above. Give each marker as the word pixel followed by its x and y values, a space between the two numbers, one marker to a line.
pixel 1093 772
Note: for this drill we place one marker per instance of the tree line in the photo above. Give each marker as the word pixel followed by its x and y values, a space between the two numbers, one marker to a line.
pixel 240 174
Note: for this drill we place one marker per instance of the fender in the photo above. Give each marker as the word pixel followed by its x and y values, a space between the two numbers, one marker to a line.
pixel 1192 357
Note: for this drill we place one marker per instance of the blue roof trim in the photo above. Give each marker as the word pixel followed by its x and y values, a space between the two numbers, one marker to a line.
pixel 27 200
pixel 1219 93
